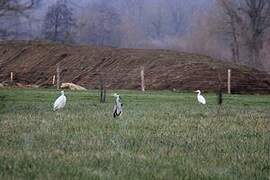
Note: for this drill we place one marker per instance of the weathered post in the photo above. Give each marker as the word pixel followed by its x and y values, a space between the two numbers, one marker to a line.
pixel 219 93
pixel 58 76
pixel 102 90
pixel 229 81
pixel 53 80
pixel 11 77
pixel 142 79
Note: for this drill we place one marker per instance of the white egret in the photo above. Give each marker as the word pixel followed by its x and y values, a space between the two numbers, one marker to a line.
pixel 60 102
pixel 117 108
pixel 200 98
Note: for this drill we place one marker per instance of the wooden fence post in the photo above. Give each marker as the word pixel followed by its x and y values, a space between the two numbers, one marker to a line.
pixel 142 79
pixel 102 90
pixel 53 80
pixel 220 98
pixel 104 94
pixel 58 76
pixel 229 81
pixel 11 77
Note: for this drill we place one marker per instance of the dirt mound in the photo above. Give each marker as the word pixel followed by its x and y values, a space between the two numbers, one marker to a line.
pixel 35 63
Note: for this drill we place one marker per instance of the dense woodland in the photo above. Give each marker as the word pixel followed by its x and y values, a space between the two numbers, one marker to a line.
pixel 234 30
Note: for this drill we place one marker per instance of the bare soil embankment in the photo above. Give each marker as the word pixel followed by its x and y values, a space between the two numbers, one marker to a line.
pixel 35 63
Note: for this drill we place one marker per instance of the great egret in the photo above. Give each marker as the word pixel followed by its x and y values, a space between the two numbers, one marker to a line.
pixel 60 102
pixel 200 98
pixel 117 108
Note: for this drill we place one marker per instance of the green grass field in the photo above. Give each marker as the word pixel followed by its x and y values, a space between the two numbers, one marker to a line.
pixel 161 135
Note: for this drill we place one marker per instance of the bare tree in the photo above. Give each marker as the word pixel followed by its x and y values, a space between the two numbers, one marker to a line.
pixel 134 9
pixel 176 10
pixel 59 22
pixel 232 21
pixel 102 25
pixel 248 22
pixel 11 12
pixel 157 24
pixel 257 13
pixel 7 6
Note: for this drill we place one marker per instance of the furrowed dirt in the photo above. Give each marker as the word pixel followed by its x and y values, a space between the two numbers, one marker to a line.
pixel 35 63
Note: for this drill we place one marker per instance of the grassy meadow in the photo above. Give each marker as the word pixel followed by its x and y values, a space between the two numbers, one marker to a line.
pixel 161 135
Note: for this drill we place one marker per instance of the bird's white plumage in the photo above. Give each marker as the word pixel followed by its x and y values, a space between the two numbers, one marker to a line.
pixel 60 102
pixel 117 108
pixel 200 98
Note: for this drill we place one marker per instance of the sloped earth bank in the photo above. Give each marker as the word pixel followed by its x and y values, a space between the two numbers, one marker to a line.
pixel 35 63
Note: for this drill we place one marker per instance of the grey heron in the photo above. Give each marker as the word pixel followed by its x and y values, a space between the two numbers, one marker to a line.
pixel 117 108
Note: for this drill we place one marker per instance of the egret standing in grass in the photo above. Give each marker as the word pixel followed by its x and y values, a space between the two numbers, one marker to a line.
pixel 117 108
pixel 60 102
pixel 200 98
